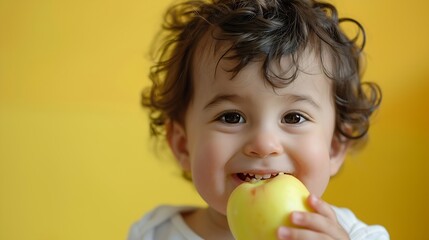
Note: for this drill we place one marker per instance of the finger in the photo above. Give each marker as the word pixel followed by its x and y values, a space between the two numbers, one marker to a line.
pixel 321 207
pixel 286 233
pixel 319 223
pixel 313 221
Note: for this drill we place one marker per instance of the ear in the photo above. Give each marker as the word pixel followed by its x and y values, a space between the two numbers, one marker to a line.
pixel 178 142
pixel 338 153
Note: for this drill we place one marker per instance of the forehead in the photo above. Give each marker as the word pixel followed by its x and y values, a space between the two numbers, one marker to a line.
pixel 214 85
pixel 212 79
pixel 212 57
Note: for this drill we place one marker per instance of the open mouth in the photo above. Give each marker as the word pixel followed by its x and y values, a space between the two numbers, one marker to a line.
pixel 251 177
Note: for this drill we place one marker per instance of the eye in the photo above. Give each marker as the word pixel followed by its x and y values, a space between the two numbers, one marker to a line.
pixel 294 118
pixel 231 118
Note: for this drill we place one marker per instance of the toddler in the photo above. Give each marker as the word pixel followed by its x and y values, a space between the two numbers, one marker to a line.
pixel 248 89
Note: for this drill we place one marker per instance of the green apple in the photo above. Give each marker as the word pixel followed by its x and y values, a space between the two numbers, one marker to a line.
pixel 256 210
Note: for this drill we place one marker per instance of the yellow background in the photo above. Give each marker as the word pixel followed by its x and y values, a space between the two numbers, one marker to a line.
pixel 75 157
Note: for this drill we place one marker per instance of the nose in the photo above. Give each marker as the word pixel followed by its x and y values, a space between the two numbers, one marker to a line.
pixel 263 144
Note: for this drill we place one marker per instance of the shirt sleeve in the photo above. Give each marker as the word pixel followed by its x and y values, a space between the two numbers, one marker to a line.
pixel 163 223
pixel 357 229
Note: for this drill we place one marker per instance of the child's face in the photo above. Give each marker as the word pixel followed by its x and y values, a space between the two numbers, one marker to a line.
pixel 239 126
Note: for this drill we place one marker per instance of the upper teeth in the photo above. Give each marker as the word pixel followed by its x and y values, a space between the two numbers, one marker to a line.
pixel 251 177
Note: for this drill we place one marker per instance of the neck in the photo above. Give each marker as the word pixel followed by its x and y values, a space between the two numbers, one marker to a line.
pixel 208 224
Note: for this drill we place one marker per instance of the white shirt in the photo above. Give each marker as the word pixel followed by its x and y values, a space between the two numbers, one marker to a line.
pixel 166 223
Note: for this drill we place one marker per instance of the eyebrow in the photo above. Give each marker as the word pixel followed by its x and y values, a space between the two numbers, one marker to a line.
pixel 293 98
pixel 303 98
pixel 222 98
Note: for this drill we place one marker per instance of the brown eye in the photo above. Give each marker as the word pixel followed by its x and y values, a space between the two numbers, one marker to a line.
pixel 293 118
pixel 231 118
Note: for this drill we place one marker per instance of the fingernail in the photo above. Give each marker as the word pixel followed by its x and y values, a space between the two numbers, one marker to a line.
pixel 314 199
pixel 284 232
pixel 297 217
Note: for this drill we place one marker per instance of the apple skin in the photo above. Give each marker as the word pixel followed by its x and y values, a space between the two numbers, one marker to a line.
pixel 257 210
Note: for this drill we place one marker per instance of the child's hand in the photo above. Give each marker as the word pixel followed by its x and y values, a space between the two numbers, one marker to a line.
pixel 320 224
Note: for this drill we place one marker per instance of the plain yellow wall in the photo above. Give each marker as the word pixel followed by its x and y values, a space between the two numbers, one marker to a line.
pixel 75 156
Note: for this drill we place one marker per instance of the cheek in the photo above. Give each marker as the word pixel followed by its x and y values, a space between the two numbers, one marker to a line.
pixel 204 154
pixel 209 157
pixel 312 164
pixel 209 152
pixel 204 161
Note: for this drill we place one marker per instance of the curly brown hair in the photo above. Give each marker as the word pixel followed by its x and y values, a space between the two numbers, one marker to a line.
pixel 267 30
